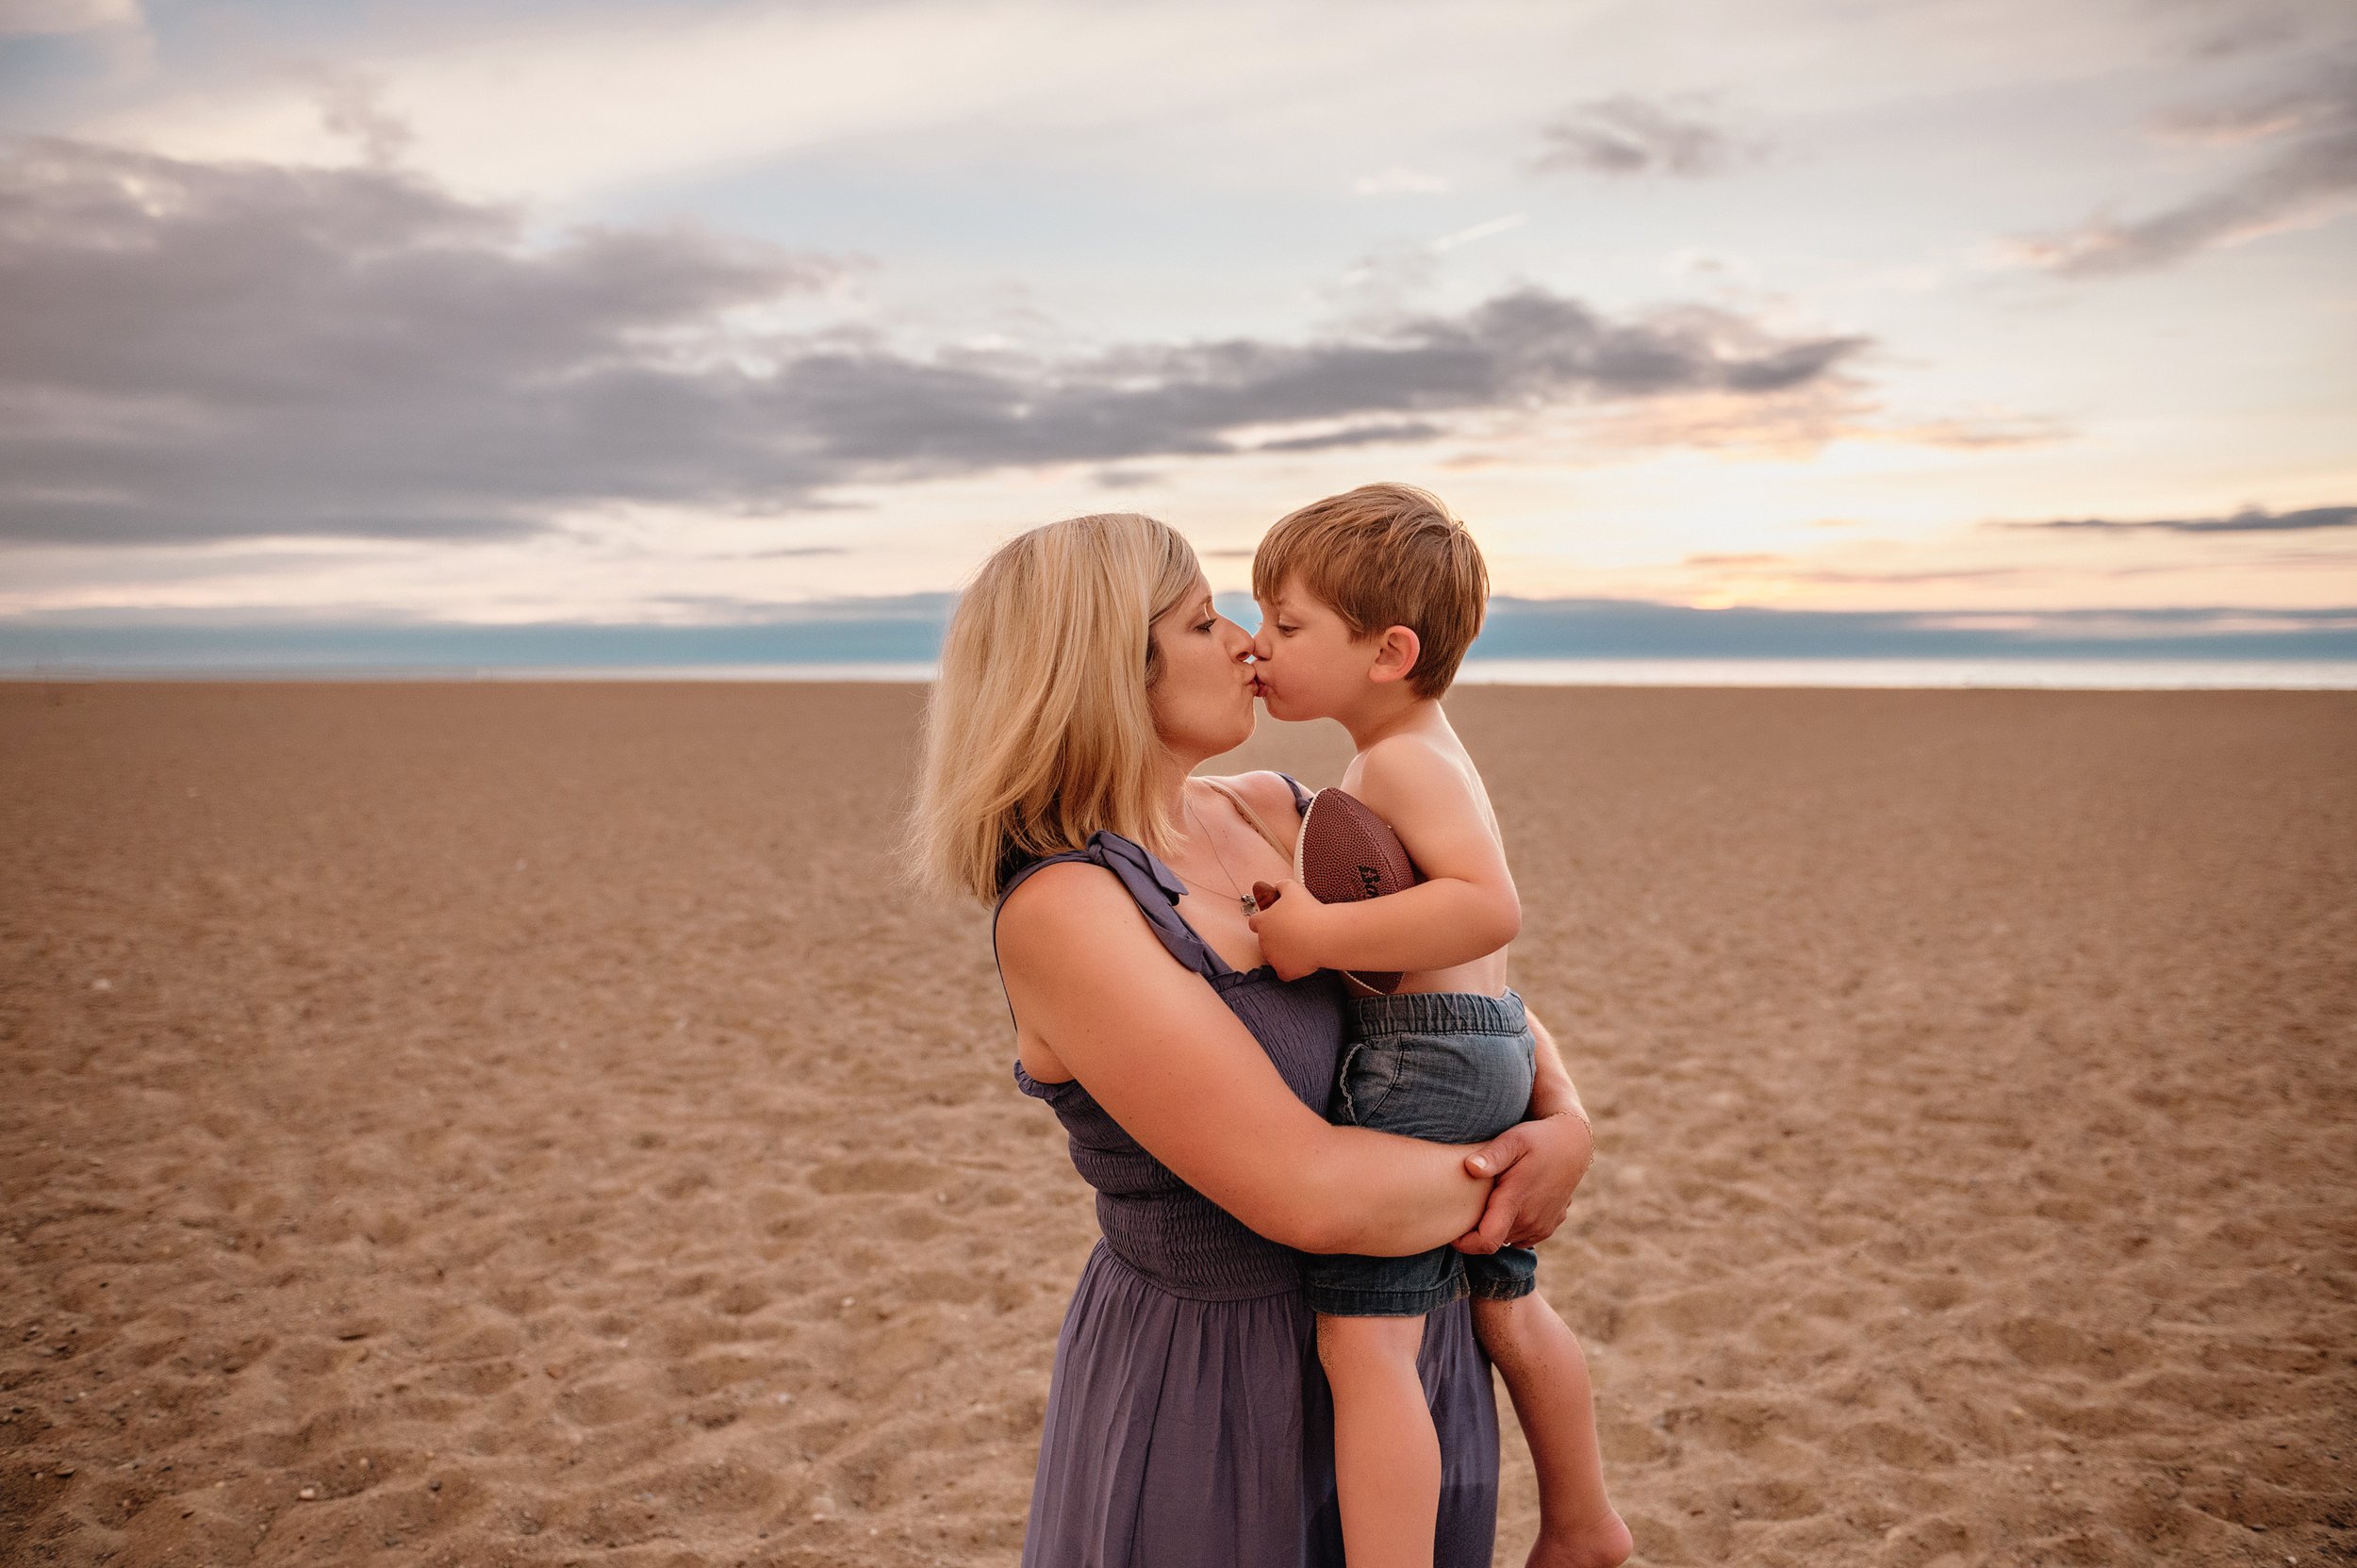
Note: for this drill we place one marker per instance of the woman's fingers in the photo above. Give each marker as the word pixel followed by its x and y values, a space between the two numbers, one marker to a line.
pixel 1494 1157
pixel 1497 1225
pixel 1559 1154
pixel 1538 1165
pixel 1498 1155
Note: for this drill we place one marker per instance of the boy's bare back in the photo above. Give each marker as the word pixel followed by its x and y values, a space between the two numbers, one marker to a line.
pixel 1422 781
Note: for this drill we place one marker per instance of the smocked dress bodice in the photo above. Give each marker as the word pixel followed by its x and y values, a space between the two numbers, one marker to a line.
pixel 1152 1220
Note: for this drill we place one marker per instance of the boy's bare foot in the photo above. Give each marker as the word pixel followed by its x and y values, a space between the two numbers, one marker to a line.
pixel 1605 1544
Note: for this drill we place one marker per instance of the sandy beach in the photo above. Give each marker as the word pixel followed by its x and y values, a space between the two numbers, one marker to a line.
pixel 527 1124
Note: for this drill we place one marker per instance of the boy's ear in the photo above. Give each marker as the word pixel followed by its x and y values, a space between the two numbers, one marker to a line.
pixel 1396 654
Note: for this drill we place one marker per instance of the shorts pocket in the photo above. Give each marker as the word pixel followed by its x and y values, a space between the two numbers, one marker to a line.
pixel 1368 1076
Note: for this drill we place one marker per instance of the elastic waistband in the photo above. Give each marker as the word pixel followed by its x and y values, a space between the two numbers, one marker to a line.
pixel 1276 1273
pixel 1439 1013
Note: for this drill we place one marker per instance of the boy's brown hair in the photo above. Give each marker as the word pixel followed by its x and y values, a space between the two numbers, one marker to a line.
pixel 1384 555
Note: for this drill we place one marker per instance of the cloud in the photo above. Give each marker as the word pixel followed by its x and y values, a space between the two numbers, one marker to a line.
pixel 1479 231
pixel 1398 182
pixel 2250 519
pixel 1357 434
pixel 194 351
pixel 2230 27
pixel 352 107
pixel 1975 432
pixel 54 18
pixel 2310 177
pixel 1629 136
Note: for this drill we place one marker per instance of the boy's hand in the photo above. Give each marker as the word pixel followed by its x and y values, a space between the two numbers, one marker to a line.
pixel 1289 927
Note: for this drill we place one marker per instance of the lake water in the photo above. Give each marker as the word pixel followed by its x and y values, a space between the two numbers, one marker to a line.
pixel 2057 674
pixel 2051 674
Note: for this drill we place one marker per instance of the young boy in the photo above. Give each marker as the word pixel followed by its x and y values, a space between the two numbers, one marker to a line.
pixel 1368 601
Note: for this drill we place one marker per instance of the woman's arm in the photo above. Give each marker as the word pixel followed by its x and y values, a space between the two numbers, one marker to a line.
pixel 1168 1061
pixel 1539 1163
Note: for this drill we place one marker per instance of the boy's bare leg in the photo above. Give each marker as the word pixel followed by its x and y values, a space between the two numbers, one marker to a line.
pixel 1547 1376
pixel 1386 1457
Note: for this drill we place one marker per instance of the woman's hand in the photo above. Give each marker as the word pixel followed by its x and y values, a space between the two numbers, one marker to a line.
pixel 1539 1165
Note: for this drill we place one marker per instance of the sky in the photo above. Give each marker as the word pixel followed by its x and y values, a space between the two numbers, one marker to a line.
pixel 1981 317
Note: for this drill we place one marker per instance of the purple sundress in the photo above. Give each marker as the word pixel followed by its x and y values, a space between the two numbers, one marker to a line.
pixel 1188 1420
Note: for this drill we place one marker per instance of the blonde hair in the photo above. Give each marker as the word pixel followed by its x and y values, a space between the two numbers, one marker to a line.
pixel 1039 732
pixel 1384 555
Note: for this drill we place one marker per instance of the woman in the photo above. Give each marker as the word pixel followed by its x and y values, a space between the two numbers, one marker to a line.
pixel 1085 675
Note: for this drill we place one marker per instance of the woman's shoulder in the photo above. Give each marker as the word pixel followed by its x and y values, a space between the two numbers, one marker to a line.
pixel 1054 890
pixel 1063 907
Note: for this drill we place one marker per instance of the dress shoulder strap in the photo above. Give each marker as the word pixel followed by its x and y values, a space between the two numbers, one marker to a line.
pixel 1234 797
pixel 1153 887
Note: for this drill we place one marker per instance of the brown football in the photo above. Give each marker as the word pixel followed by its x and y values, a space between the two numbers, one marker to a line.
pixel 1346 853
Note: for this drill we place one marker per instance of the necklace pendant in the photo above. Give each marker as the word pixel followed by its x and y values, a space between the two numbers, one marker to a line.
pixel 1251 904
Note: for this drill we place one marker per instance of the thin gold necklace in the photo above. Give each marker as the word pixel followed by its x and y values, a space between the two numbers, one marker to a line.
pixel 1246 901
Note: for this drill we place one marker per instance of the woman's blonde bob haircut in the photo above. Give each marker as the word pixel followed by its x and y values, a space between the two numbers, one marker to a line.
pixel 1040 732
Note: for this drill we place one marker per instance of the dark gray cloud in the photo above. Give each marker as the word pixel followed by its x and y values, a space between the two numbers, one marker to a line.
pixel 1630 136
pixel 2251 520
pixel 2226 28
pixel 2310 169
pixel 193 351
pixel 1357 434
pixel 352 106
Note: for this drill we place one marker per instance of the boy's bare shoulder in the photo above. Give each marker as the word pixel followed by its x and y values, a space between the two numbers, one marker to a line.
pixel 1412 758
pixel 1408 771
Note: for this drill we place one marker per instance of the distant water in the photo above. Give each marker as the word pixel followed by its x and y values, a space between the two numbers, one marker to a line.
pixel 2051 674
pixel 2057 674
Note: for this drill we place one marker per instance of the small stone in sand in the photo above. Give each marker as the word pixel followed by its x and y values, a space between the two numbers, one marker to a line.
pixel 309 1492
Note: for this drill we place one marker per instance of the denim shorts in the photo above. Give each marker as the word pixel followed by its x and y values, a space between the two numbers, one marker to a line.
pixel 1451 1068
